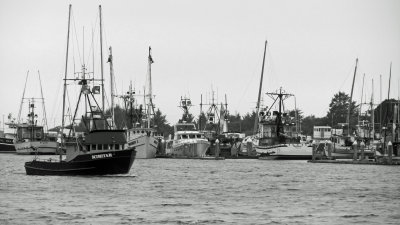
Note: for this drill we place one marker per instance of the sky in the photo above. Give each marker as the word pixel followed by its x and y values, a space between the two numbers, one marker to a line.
pixel 200 47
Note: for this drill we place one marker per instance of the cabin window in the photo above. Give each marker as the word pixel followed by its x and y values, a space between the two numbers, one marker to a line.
pixel 105 147
pixel 93 147
pixel 142 131
pixel 192 136
pixel 99 147
pixel 87 147
pixel 184 136
pixel 117 147
pixel 199 136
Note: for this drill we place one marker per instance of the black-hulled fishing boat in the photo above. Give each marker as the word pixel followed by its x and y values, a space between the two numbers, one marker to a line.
pixel 98 150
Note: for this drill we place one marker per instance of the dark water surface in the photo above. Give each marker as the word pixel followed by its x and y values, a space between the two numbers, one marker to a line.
pixel 180 191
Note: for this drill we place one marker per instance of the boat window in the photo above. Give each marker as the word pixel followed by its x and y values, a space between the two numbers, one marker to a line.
pixel 93 147
pixel 192 136
pixel 87 147
pixel 184 136
pixel 199 136
pixel 116 147
pixel 99 147
pixel 142 131
pixel 105 147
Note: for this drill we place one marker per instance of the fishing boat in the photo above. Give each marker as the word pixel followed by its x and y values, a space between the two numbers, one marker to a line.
pixel 31 136
pixel 7 136
pixel 187 142
pixel 141 134
pixel 101 149
pixel 276 134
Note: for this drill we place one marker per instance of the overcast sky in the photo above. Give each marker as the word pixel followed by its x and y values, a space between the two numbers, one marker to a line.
pixel 203 45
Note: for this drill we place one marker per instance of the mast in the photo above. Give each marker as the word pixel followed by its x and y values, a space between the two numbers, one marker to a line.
pixel 150 107
pixel 361 101
pixel 351 99
pixel 110 60
pixel 259 91
pixel 43 106
pixel 22 99
pixel 380 104
pixel 101 59
pixel 373 111
pixel 201 110
pixel 65 82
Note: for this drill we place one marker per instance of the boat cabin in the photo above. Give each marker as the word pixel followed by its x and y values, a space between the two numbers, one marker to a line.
pixel 97 140
pixel 322 132
pixel 30 132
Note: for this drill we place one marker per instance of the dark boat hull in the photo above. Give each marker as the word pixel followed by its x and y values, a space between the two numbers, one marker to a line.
pixel 7 145
pixel 108 162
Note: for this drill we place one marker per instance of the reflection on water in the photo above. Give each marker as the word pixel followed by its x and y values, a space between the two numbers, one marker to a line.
pixel 171 191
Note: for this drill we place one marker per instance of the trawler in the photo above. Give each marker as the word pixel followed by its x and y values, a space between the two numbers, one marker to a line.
pixel 31 136
pixel 100 149
pixel 276 133
pixel 142 135
pixel 187 142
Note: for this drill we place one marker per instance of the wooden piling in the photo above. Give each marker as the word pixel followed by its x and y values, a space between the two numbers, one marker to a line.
pixel 355 148
pixel 362 148
pixel 390 151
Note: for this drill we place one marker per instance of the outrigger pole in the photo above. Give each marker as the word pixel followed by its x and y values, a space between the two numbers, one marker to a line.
pixel 43 106
pixel 65 83
pixel 259 91
pixel 351 99
pixel 23 96
pixel 101 59
pixel 110 60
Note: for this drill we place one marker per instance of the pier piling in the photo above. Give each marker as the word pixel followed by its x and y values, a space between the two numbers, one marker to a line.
pixel 362 148
pixel 355 148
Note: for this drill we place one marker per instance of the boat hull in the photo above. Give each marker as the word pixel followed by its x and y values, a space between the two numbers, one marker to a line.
pixel 107 162
pixel 7 145
pixel 36 147
pixel 190 149
pixel 286 152
pixel 146 146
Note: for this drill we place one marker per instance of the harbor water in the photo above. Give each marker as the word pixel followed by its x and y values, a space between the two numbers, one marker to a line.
pixel 184 191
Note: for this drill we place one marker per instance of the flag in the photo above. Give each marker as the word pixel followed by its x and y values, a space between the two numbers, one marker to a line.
pixel 150 58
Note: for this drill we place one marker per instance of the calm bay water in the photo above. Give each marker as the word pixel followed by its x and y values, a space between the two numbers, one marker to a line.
pixel 180 191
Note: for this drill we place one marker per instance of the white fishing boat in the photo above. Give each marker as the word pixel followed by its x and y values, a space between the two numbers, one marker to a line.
pixel 187 142
pixel 31 138
pixel 276 134
pixel 142 135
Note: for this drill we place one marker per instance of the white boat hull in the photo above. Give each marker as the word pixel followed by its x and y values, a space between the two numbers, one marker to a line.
pixel 36 147
pixel 193 149
pixel 145 146
pixel 286 152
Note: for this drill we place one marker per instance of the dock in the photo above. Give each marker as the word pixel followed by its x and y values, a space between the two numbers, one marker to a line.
pixel 361 162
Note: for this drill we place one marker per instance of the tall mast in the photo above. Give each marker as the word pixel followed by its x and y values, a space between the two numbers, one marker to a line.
pixel 259 91
pixel 22 99
pixel 351 99
pixel 101 59
pixel 65 80
pixel 390 77
pixel 361 101
pixel 150 108
pixel 110 60
pixel 201 110
pixel 43 106
pixel 372 111
pixel 380 104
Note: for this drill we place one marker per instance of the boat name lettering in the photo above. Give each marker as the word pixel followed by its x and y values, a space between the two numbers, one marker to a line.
pixel 100 156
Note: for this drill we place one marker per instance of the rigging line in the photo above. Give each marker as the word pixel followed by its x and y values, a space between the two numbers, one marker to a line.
pixel 349 74
pixel 76 38
pixel 55 105
pixel 92 44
